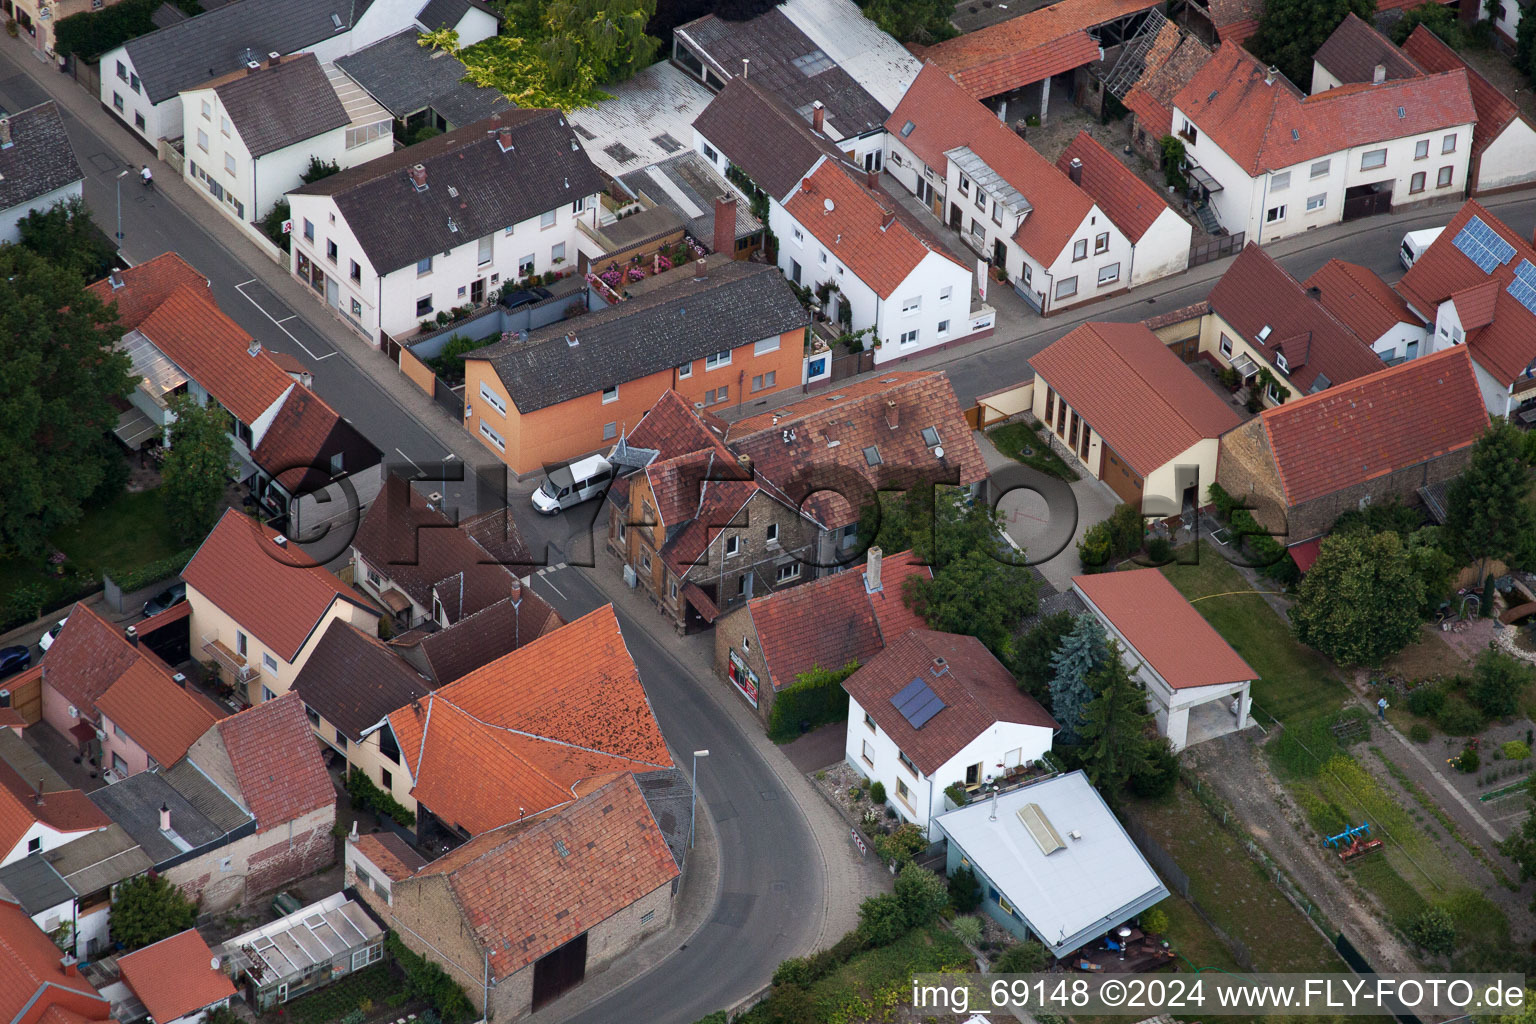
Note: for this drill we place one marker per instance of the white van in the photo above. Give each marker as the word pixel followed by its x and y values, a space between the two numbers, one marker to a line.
pixel 1414 244
pixel 572 485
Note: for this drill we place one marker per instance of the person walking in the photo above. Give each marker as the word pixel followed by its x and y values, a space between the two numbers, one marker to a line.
pixel 146 176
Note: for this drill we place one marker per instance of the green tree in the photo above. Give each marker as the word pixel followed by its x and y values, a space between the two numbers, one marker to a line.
pixel 1433 566
pixel 1360 602
pixel 1498 680
pixel 1487 512
pixel 1290 32
pixel 1172 148
pixel 1081 653
pixel 1525 47
pixel 922 894
pixel 1159 774
pixel 196 468
pixel 882 919
pixel 147 909
pixel 1033 653
pixel 964 891
pixel 1025 957
pixel 912 21
pixel 1438 18
pixel 976 595
pixel 65 236
pixel 319 169
pixel 1433 930
pixel 272 223
pixel 62 372
pixel 1115 726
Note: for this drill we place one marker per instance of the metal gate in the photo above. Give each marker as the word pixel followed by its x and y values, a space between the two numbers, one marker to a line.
pixel 1215 249
pixel 1367 205
pixel 449 397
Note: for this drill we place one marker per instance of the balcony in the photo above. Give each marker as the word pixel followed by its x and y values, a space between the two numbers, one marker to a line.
pixel 231 665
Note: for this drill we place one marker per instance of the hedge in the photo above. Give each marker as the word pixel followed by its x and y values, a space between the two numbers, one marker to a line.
pixel 129 580
pixel 370 797
pixel 816 697
pixel 1270 556
pixel 90 34
pixel 428 981
pixel 1106 543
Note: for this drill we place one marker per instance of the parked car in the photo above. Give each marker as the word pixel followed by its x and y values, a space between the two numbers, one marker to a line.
pixel 14 659
pixel 170 597
pixel 524 297
pixel 571 485
pixel 1414 244
pixel 48 637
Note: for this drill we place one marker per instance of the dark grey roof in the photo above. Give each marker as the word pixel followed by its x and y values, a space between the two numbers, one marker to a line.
pixel 205 795
pixel 762 137
pixel 490 633
pixel 448 13
pixel 219 41
pixel 405 78
pixel 352 680
pixel 273 108
pixel 667 794
pixel 692 177
pixel 737 303
pixel 98 860
pixel 39 159
pixel 397 225
pixel 167 15
pixel 35 884
pixel 1352 52
pixel 788 63
pixel 135 804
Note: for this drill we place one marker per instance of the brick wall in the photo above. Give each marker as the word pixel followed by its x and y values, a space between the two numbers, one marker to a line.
pixel 1315 517
pixel 754 553
pixel 425 917
pixel 1246 470
pixel 730 632
pixel 260 863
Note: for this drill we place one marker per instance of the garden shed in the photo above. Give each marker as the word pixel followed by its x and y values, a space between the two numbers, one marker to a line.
pixel 304 951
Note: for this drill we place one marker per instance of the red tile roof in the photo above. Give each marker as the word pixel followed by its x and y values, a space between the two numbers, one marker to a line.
pixel 833 620
pixel 1495 111
pixel 564 708
pixel 1133 391
pixel 1164 628
pixel 1393 419
pixel 1236 20
pixel 144 287
pixel 945 118
pixel 31 976
pixel 87 657
pixel 867 230
pixel 1256 292
pixel 1128 201
pixel 158 715
pixel 174 977
pixel 1151 98
pixel 390 854
pixel 1031 47
pixel 1268 127
pixel 1360 299
pixel 65 810
pixel 241 569
pixel 1475 304
pixel 1506 347
pixel 191 330
pixel 977 691
pixel 525 890
pixel 276 760
pixel 297 439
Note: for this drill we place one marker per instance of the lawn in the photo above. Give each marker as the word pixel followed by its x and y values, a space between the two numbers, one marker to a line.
pixel 370 990
pixel 1012 438
pixel 1293 681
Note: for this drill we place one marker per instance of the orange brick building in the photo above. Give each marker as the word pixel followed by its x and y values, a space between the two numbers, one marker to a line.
pixel 728 334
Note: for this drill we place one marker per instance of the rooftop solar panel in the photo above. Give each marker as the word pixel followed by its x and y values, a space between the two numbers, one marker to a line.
pixel 917 703
pixel 1482 245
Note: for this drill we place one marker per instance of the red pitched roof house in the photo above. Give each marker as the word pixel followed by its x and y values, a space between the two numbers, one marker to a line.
pixel 1367 305
pixel 1171 62
pixel 1356 52
pixel 1133 414
pixel 1491 310
pixel 34 821
pixel 762 647
pixel 259 605
pixel 1503 138
pixel 934 709
pixel 37 985
pixel 1275 163
pixel 1192 676
pixel 1386 436
pixel 1159 237
pixel 1052 239
pixel 308 446
pixel 176 979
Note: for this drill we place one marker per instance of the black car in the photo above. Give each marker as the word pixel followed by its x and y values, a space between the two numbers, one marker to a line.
pixel 170 597
pixel 14 659
pixel 524 297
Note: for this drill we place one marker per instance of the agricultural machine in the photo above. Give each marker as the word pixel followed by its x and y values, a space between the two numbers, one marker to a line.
pixel 1353 842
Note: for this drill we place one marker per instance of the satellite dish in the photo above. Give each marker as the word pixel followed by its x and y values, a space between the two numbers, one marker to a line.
pixel 827 205
pixel 938 452
pixel 214 963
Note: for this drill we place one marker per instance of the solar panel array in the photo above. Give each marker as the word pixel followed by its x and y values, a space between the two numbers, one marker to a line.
pixel 1482 245
pixel 1523 285
pixel 917 703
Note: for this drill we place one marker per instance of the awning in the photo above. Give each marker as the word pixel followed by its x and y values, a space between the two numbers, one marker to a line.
pixel 83 732
pixel 1305 553
pixel 701 602
pixel 1203 179
pixel 394 600
pixel 1245 366
pixel 134 428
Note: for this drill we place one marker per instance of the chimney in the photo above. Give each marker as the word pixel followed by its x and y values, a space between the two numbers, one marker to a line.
pixel 1075 171
pixel 517 590
pixel 745 61
pixel 38 796
pixel 252 66
pixel 352 838
pixel 872 570
pixel 872 178
pixel 1378 74
pixel 818 116
pixel 180 680
pixel 132 633
pixel 1315 292
pixel 274 59
pixel 5 132
pixel 115 279
pixel 700 269
pixel 254 348
pixel 725 225
pixel 890 219
pixel 940 666
pixel 1269 74
pixel 419 176
pixel 504 138
pixel 165 818
pixel 68 962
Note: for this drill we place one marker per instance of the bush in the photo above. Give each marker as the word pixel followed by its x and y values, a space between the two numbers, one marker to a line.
pixel 1155 921
pixel 1159 551
pixel 450 364
pixel 1105 543
pixel 1426 700
pixel 430 982
pixel 877 792
pixel 272 223
pixel 955 791
pixel 964 891
pixel 142 576
pixel 1458 718
pixel 1434 931
pixel 968 928
pixel 1469 761
pixel 718 1017
pixel 370 797
pixel 90 34
pixel 881 920
pixel 902 845
pixel 794 971
pixel 815 698
pixel 1418 732
pixel 1498 679
pixel 922 895
pixel 1021 958
pixel 1160 774
pixel 1515 750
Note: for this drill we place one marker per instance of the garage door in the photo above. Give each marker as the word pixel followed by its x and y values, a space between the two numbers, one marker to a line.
pixel 1120 478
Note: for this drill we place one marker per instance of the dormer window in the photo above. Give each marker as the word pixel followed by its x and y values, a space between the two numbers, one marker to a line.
pixel 1280 363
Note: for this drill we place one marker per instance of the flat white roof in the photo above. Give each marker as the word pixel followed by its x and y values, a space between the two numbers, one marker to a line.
pixel 871 57
pixel 649 119
pixel 1094 882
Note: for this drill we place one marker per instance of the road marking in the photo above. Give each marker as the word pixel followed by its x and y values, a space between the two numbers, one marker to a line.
pixel 551 586
pixel 279 325
pixel 285 319
pixel 407 458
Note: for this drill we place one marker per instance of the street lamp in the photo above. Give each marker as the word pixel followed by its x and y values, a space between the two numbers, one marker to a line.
pixel 121 175
pixel 693 809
